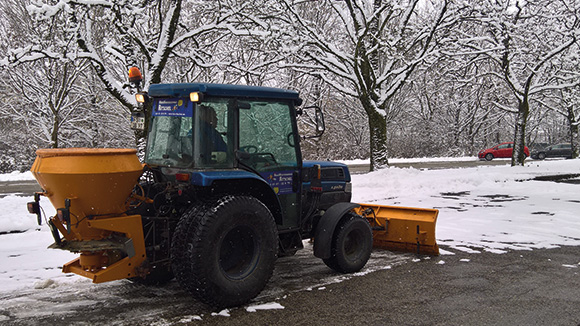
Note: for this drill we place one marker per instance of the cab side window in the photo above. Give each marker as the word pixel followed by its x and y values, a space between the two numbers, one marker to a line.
pixel 266 136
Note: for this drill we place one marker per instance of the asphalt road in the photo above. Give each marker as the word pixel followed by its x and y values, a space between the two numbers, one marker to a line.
pixel 363 168
pixel 21 188
pixel 518 288
pixel 538 287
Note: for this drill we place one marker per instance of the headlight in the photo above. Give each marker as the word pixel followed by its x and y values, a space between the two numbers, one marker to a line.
pixel 140 97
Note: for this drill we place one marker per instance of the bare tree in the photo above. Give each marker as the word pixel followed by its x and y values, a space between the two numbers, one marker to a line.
pixel 523 39
pixel 116 35
pixel 564 103
pixel 44 97
pixel 45 100
pixel 367 50
pixel 453 102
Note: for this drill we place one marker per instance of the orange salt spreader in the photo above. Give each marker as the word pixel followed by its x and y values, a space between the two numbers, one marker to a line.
pixel 90 187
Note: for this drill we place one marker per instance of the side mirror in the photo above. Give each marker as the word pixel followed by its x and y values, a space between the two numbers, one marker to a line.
pixel 318 120
pixel 138 120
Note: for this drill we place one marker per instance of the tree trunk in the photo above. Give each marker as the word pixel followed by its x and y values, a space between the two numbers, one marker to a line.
pixel 573 121
pixel 54 132
pixel 518 155
pixel 378 140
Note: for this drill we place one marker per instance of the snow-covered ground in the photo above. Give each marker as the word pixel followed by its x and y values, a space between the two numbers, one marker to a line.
pixel 491 208
pixel 488 208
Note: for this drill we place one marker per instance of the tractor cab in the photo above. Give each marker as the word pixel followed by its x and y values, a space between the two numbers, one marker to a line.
pixel 205 130
pixel 213 127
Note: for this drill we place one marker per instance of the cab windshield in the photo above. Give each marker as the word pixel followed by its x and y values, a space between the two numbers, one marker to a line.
pixel 184 134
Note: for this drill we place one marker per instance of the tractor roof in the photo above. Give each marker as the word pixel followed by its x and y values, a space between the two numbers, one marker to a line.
pixel 226 90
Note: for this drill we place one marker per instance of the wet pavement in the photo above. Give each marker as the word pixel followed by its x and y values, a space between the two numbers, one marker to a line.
pixel 538 287
pixel 19 188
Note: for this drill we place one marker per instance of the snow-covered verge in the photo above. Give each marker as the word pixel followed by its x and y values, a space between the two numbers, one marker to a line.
pixel 417 159
pixel 16 176
pixel 491 208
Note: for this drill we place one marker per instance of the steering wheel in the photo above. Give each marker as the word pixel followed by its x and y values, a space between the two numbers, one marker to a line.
pixel 251 149
pixel 290 139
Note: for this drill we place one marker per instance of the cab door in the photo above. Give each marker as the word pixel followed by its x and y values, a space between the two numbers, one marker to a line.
pixel 266 145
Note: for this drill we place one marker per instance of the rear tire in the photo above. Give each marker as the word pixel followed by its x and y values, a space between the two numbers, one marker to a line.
pixel 488 156
pixel 181 240
pixel 351 245
pixel 225 254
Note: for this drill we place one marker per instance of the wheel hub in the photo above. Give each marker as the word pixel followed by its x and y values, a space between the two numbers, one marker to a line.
pixel 239 252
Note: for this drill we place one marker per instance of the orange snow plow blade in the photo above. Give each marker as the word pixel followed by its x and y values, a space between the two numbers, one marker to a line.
pixel 402 228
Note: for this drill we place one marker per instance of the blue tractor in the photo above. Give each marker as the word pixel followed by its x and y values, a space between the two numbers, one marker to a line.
pixel 226 191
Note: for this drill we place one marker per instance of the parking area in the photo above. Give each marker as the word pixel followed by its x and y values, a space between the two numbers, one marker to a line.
pixel 538 287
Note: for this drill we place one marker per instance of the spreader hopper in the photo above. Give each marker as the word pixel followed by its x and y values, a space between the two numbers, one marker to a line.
pixel 89 187
pixel 96 180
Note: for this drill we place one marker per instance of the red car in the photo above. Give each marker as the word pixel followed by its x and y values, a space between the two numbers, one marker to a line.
pixel 503 150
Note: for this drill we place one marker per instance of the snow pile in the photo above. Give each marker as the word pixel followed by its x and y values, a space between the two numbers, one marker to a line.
pixel 25 261
pixel 14 216
pixel 264 306
pixel 16 176
pixel 223 313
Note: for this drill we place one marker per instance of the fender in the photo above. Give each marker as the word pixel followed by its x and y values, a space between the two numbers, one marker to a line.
pixel 242 182
pixel 326 227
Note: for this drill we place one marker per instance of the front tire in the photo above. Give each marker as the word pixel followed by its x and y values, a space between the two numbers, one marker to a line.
pixel 488 156
pixel 225 254
pixel 351 245
pixel 541 156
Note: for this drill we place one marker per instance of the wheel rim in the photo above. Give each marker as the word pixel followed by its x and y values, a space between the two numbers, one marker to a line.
pixel 238 253
pixel 353 244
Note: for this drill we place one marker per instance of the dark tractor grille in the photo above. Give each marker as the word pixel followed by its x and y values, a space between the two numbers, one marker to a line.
pixel 332 174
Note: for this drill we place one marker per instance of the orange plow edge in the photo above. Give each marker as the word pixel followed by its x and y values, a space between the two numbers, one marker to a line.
pixel 402 228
